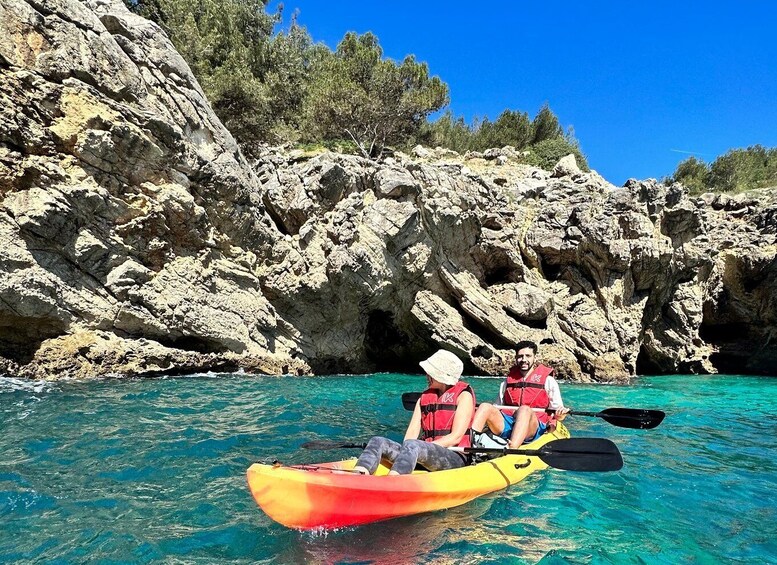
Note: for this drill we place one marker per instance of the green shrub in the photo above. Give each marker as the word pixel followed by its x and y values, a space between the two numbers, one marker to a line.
pixel 735 171
pixel 543 135
pixel 510 128
pixel 548 152
pixel 545 126
pixel 446 131
pixel 693 173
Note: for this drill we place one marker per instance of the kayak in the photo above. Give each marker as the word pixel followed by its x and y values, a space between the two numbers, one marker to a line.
pixel 317 496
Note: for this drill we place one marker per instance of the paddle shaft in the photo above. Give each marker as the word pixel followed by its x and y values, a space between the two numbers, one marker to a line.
pixel 572 454
pixel 634 418
pixel 503 451
pixel 548 410
pixel 508 407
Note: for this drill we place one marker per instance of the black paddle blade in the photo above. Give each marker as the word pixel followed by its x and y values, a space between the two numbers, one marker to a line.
pixel 635 418
pixel 332 445
pixel 409 399
pixel 581 454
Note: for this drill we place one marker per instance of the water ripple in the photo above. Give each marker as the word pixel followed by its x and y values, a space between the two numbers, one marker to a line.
pixel 153 470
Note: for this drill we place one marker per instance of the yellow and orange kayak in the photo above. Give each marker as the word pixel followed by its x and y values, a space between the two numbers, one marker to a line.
pixel 316 496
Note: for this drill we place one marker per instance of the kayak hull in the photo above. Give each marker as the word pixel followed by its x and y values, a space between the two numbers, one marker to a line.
pixel 318 497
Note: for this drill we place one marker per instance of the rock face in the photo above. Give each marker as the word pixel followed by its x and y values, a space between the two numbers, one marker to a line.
pixel 127 208
pixel 136 239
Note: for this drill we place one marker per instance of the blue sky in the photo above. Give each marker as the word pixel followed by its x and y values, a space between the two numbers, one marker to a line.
pixel 641 83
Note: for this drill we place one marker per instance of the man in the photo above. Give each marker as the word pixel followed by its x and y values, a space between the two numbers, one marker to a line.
pixel 527 386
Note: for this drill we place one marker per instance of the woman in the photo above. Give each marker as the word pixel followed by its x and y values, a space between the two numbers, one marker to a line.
pixel 442 417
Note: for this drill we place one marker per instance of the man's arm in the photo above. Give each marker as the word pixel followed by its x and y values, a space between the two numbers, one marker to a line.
pixel 554 394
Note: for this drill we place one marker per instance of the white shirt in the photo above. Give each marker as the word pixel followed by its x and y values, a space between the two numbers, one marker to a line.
pixel 551 387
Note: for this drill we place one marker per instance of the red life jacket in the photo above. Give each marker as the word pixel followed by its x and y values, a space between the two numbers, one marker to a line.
pixel 437 413
pixel 528 391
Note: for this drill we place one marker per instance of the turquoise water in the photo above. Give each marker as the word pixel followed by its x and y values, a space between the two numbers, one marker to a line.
pixel 152 471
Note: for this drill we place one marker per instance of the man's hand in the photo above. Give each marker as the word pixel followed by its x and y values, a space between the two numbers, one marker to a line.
pixel 561 413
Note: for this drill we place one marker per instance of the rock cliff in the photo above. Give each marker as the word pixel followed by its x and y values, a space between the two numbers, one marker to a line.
pixel 136 239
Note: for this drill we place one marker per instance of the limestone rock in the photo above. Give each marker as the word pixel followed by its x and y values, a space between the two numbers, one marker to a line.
pixel 566 167
pixel 524 301
pixel 136 239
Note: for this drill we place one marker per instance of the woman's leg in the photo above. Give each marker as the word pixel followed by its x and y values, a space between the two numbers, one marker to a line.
pixel 431 456
pixel 377 448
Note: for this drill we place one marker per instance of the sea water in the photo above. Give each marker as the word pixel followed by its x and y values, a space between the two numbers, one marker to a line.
pixel 153 471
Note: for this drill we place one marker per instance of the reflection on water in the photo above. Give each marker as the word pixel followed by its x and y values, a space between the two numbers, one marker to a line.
pixel 488 528
pixel 405 540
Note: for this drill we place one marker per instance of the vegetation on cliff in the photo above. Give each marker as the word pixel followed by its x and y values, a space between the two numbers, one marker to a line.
pixel 270 87
pixel 735 171
pixel 375 101
pixel 542 139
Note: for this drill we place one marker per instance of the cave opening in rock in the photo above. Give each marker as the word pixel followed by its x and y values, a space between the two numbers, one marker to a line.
pixel 537 324
pixel 734 343
pixel 194 343
pixel 646 365
pixel 275 217
pixel 498 265
pixel 387 346
pixel 482 351
pixel 21 337
pixel 499 275
pixel 19 352
pixel 724 332
pixel 552 271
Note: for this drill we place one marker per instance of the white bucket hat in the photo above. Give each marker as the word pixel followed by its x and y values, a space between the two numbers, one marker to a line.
pixel 443 367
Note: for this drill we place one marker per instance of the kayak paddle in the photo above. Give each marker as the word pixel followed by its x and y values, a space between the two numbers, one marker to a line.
pixel 573 454
pixel 332 445
pixel 634 418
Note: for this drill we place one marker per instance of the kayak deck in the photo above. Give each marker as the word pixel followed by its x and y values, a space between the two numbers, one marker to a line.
pixel 317 496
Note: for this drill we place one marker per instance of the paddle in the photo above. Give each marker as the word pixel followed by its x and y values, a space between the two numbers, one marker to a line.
pixel 573 454
pixel 634 418
pixel 332 445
